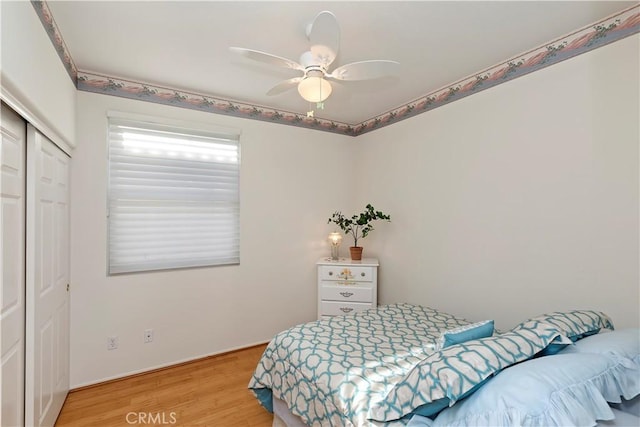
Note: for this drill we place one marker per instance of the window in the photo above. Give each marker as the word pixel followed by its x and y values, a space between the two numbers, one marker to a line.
pixel 173 198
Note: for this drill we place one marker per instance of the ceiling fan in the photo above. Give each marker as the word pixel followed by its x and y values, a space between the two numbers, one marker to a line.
pixel 313 85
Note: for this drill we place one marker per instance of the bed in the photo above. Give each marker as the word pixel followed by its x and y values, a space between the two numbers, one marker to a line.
pixel 404 364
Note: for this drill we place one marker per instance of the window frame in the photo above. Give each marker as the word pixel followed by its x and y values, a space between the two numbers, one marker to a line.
pixel 188 127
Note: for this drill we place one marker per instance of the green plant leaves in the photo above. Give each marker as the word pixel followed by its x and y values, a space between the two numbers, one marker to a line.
pixel 359 225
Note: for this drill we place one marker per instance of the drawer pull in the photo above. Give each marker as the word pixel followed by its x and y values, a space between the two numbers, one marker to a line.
pixel 362 274
pixel 346 309
pixel 331 273
pixel 346 283
pixel 346 294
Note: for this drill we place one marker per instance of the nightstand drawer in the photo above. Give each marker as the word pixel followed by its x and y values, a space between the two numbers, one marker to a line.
pixel 350 273
pixel 346 286
pixel 346 293
pixel 338 308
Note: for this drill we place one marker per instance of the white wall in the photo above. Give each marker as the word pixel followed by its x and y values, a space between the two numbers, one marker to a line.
pixel 516 201
pixel 290 184
pixel 34 80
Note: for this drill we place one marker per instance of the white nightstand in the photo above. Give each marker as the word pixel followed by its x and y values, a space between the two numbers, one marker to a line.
pixel 346 286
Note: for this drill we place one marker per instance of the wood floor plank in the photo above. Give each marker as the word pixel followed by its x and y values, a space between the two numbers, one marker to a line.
pixel 207 392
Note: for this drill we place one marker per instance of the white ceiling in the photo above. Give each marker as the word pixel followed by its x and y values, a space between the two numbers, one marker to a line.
pixel 184 44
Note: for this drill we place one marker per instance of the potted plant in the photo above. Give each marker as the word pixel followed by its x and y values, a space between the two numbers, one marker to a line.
pixel 359 226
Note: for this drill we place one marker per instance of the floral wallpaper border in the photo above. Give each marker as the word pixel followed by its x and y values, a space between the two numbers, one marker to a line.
pixel 50 26
pixel 608 30
pixel 108 85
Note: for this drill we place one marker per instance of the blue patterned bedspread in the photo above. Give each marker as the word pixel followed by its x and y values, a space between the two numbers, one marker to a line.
pixel 329 372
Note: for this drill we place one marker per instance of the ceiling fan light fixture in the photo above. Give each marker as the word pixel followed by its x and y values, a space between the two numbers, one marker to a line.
pixel 314 89
pixel 324 43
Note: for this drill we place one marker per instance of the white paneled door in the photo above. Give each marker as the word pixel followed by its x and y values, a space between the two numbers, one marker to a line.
pixel 12 266
pixel 47 280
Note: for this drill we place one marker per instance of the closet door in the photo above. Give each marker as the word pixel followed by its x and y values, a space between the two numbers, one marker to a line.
pixel 47 279
pixel 12 266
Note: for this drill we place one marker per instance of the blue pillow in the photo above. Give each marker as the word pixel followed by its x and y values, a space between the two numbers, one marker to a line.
pixel 559 390
pixel 455 372
pixel 420 421
pixel 620 344
pixel 574 324
pixel 465 333
pixel 630 406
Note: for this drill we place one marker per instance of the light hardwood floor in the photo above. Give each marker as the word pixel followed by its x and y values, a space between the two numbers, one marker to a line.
pixel 207 392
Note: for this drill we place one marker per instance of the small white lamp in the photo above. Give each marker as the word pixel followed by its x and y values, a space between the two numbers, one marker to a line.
pixel 335 238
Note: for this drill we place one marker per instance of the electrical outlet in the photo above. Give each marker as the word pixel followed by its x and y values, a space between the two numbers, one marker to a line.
pixel 148 335
pixel 112 343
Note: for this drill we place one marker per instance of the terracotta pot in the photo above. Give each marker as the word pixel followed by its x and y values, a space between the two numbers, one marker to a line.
pixel 356 253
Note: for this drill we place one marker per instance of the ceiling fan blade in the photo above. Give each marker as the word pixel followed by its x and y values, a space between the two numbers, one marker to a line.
pixel 324 35
pixel 268 58
pixel 284 86
pixel 365 70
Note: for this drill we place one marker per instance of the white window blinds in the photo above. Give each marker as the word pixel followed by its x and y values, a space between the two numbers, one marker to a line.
pixel 173 197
